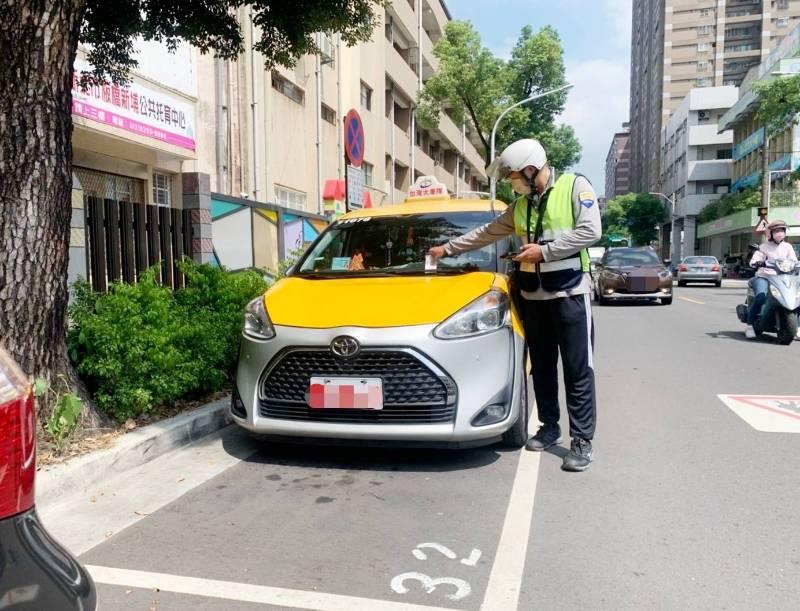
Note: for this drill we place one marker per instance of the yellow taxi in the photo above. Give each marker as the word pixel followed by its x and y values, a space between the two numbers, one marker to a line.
pixel 369 339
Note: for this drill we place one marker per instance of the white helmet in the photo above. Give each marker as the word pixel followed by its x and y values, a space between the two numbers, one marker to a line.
pixel 516 157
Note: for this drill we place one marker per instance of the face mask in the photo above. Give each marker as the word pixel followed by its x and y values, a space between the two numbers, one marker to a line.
pixel 778 236
pixel 521 186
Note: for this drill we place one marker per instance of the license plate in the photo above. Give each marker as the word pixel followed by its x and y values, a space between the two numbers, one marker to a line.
pixel 643 284
pixel 698 269
pixel 345 393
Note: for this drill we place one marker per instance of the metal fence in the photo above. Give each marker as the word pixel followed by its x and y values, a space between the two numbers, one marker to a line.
pixel 124 239
pixel 784 199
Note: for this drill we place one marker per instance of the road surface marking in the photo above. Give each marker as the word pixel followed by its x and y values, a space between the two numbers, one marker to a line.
pixel 505 580
pixel 766 413
pixel 429 584
pixel 442 549
pixel 692 300
pixel 246 592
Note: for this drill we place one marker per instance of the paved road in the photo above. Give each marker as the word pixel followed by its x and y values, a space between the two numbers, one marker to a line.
pixel 688 506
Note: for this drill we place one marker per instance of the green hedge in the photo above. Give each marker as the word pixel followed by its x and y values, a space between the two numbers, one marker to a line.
pixel 141 346
pixel 730 203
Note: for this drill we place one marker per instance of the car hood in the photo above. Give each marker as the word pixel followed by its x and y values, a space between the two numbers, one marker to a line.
pixel 374 302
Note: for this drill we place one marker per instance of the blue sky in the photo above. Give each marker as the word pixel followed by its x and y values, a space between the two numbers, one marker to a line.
pixel 596 37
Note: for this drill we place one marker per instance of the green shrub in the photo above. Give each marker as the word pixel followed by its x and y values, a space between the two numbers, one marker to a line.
pixel 142 346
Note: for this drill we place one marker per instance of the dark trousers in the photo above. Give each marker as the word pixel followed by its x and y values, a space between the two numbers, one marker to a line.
pixel 563 325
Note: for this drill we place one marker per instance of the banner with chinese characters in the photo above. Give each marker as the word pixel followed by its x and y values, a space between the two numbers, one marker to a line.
pixel 134 108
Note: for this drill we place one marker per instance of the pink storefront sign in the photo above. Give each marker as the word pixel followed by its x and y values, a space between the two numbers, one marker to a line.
pixel 82 109
pixel 134 107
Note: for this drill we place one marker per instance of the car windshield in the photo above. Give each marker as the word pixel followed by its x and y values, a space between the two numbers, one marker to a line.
pixel 632 258
pixel 700 261
pixel 395 245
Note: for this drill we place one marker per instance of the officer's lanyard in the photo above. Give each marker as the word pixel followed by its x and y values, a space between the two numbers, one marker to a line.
pixel 539 221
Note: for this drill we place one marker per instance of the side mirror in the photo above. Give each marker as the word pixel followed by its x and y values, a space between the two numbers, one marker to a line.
pixel 667 262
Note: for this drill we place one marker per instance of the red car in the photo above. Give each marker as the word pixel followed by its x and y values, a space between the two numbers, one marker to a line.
pixel 36 573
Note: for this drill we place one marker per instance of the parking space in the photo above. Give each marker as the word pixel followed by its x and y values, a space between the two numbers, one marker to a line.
pixel 409 526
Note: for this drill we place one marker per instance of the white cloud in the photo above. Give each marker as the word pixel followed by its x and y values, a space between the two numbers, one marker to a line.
pixel 596 108
pixel 621 12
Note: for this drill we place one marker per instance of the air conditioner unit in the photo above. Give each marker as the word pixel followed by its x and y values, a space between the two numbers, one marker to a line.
pixel 327 52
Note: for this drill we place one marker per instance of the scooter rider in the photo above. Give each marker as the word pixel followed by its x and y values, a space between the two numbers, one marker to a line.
pixel 774 248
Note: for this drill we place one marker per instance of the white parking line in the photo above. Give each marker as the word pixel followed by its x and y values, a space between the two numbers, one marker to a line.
pixel 246 592
pixel 505 581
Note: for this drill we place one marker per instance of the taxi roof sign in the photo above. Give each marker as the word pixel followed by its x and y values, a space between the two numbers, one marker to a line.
pixel 427 188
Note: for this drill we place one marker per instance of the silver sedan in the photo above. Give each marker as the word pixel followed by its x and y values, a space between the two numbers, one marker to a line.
pixel 700 269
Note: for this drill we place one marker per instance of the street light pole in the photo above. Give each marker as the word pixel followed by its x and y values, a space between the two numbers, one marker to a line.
pixel 671 201
pixel 492 180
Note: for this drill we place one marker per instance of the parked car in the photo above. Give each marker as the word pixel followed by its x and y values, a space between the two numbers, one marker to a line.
pixel 633 274
pixel 700 269
pixel 367 340
pixel 731 266
pixel 36 573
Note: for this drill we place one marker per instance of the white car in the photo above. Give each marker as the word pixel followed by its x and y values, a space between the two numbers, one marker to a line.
pixel 700 269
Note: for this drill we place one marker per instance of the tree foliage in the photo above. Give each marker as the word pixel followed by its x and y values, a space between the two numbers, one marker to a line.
pixel 473 85
pixel 287 29
pixel 779 103
pixel 730 203
pixel 635 214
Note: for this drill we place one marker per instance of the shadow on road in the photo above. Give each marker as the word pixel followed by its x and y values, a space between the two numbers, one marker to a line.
pixel 559 451
pixel 369 458
pixel 739 336
pixel 642 303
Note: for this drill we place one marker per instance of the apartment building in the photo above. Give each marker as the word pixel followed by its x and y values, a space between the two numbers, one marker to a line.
pixel 618 164
pixel 679 45
pixel 696 162
pixel 277 135
pixel 748 151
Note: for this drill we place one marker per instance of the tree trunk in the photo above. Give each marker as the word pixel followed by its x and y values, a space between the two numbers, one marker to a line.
pixel 38 43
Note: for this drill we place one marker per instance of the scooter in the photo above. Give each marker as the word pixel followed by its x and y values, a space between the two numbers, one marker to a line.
pixel 782 307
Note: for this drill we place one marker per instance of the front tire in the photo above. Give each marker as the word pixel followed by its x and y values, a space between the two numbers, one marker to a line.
pixel 517 436
pixel 787 327
pixel 666 301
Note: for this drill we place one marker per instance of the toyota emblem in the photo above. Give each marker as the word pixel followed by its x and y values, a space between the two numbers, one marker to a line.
pixel 345 346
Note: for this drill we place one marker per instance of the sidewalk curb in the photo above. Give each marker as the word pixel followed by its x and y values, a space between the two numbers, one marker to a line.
pixel 131 450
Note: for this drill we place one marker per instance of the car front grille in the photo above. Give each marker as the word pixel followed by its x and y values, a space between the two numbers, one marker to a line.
pixel 641 284
pixel 413 392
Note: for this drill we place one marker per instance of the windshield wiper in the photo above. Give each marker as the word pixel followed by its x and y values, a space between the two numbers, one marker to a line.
pixel 317 275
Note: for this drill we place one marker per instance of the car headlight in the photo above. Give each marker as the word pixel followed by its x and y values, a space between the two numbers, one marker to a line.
pixel 486 314
pixel 774 291
pixel 785 265
pixel 257 324
pixel 665 274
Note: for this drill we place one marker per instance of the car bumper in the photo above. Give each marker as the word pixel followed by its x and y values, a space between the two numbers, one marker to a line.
pixel 482 371
pixel 37 573
pixel 699 277
pixel 638 296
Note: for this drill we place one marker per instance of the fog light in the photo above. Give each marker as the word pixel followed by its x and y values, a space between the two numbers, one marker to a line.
pixel 237 405
pixel 490 415
pixel 663 289
pixel 609 291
